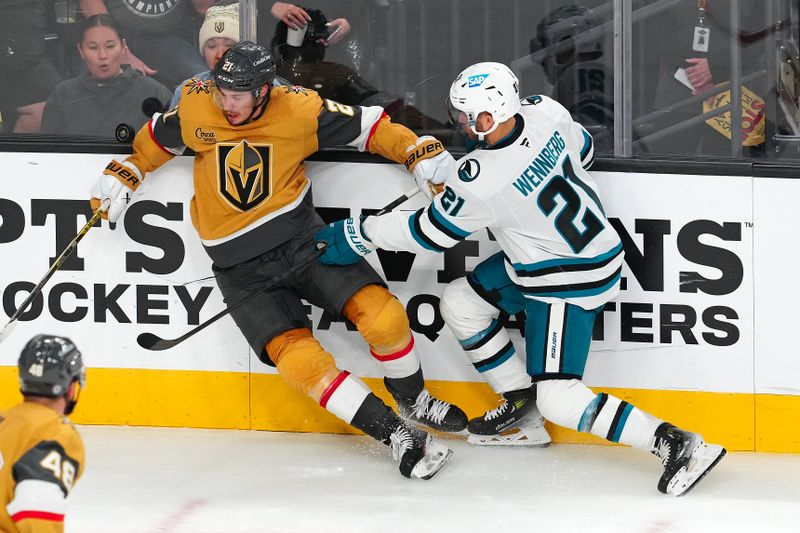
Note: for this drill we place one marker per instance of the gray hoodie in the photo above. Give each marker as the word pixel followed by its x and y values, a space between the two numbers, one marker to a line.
pixel 91 106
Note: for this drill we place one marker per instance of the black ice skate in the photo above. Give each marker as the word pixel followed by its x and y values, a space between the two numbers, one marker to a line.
pixel 420 456
pixel 686 458
pixel 516 422
pixel 434 413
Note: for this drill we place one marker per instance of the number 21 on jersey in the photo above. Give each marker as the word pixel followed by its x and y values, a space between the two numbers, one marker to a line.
pixel 564 186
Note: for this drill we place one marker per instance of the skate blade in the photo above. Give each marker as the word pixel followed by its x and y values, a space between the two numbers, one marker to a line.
pixel 530 436
pixel 704 458
pixel 435 458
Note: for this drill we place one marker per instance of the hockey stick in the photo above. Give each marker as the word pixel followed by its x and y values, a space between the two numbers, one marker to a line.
pixel 151 341
pixel 6 331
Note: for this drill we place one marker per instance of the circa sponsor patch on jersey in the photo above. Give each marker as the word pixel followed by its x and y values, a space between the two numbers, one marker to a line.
pixel 199 86
pixel 205 136
pixel 245 173
pixel 469 170
pixel 151 8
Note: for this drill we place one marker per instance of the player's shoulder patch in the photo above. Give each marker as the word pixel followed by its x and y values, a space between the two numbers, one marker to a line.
pixel 198 86
pixel 293 89
pixel 469 169
pixel 531 100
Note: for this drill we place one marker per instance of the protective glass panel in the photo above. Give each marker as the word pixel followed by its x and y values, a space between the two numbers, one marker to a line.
pixel 405 55
pixel 79 69
pixel 693 58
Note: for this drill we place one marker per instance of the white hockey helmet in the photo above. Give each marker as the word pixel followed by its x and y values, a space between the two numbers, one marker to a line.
pixel 489 87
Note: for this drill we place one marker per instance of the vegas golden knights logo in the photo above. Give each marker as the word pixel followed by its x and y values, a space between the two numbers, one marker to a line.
pixel 244 173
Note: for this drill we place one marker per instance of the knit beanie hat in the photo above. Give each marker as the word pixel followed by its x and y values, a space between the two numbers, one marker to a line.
pixel 220 21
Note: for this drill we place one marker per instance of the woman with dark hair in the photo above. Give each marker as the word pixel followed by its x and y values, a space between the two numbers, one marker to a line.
pixel 109 94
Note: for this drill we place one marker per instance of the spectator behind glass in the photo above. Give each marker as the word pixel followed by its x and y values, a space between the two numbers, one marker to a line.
pixel 305 65
pixel 296 17
pixel 160 34
pixel 26 75
pixel 688 49
pixel 219 31
pixel 109 94
pixel 574 67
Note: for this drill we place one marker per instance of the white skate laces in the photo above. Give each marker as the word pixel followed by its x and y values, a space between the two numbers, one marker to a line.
pixel 663 450
pixel 426 407
pixel 400 441
pixel 420 456
pixel 497 411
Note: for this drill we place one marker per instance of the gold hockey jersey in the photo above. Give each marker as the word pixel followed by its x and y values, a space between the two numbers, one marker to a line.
pixel 41 458
pixel 250 188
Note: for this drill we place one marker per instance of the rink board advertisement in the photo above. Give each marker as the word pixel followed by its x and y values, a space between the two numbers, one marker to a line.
pixel 678 340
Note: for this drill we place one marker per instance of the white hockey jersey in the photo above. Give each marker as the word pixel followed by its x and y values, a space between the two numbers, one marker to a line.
pixel 533 192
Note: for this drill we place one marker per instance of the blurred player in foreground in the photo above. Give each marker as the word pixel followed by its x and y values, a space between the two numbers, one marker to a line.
pixel 41 452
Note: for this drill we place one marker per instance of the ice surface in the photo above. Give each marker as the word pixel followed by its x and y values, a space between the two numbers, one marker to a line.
pixel 160 480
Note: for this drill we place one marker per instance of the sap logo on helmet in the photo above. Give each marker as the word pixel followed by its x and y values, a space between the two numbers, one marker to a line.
pixel 469 170
pixel 476 80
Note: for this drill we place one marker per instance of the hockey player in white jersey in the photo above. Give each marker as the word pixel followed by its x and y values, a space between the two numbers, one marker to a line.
pixel 560 263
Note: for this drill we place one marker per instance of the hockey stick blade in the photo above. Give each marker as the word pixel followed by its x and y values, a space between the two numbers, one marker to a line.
pixel 7 329
pixel 152 342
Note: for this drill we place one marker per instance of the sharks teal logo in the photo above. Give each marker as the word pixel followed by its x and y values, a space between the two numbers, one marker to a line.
pixel 469 170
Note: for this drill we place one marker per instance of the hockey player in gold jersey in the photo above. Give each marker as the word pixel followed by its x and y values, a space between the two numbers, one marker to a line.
pixel 41 452
pixel 253 210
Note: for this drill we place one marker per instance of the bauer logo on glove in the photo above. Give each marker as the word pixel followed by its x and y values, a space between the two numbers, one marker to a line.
pixel 345 242
pixel 430 164
pixel 426 147
pixel 115 184
pixel 123 173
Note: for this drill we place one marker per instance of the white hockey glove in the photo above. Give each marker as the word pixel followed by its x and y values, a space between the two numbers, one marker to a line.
pixel 430 163
pixel 117 184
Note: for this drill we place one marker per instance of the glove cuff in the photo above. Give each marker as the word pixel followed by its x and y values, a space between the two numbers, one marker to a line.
pixel 425 148
pixel 358 241
pixel 128 176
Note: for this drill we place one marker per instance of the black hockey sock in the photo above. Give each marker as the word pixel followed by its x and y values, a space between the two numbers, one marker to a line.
pixel 405 390
pixel 528 393
pixel 376 419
